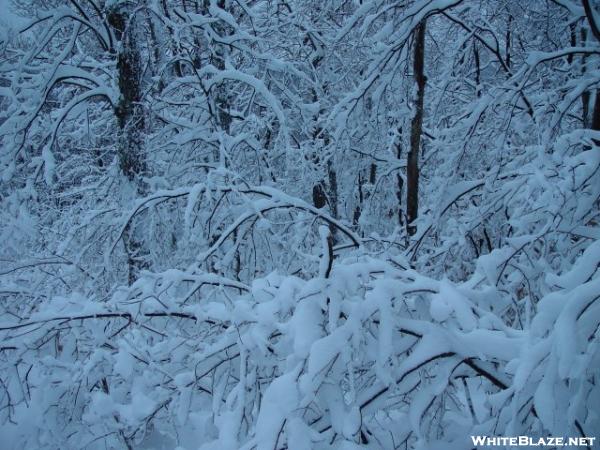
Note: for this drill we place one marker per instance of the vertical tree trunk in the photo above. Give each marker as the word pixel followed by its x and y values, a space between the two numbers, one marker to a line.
pixel 399 179
pixel 333 189
pixel 218 55
pixel 358 208
pixel 412 169
pixel 325 191
pixel 129 112
pixel 477 70
pixel 595 124
pixel 573 41
pixel 596 114
pixel 595 27
pixel 130 119
pixel 508 40
pixel 585 96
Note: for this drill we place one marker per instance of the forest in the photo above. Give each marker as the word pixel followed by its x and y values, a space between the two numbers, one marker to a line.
pixel 298 224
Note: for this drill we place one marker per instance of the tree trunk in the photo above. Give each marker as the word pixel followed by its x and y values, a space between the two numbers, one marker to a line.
pixel 412 169
pixel 130 119
pixel 508 40
pixel 218 55
pixel 325 191
pixel 585 96
pixel 596 114
pixel 399 180
pixel 129 112
pixel 477 70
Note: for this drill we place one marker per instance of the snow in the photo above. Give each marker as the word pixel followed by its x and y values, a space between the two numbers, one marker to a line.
pixel 279 400
pixel 49 165
pixel 171 278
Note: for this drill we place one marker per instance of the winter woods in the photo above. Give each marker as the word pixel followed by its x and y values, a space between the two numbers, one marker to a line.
pixel 298 224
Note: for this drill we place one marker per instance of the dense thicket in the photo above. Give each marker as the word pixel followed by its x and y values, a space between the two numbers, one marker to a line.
pixel 298 224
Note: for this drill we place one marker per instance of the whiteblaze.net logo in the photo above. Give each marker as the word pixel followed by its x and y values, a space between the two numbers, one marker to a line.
pixel 526 441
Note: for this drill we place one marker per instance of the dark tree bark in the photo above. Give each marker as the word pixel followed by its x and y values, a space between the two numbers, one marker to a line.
pixel 596 115
pixel 325 191
pixel 412 169
pixel 399 180
pixel 333 189
pixel 130 119
pixel 373 174
pixel 595 27
pixel 573 41
pixel 585 96
pixel 129 113
pixel 358 208
pixel 477 70
pixel 218 54
pixel 319 197
pixel 508 40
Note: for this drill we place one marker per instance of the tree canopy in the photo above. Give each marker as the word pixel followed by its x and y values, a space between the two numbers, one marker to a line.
pixel 292 224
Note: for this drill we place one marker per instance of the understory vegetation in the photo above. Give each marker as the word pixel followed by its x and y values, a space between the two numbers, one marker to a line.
pixel 298 224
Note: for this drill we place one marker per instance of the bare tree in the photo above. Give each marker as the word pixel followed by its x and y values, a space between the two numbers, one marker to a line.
pixel 416 130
